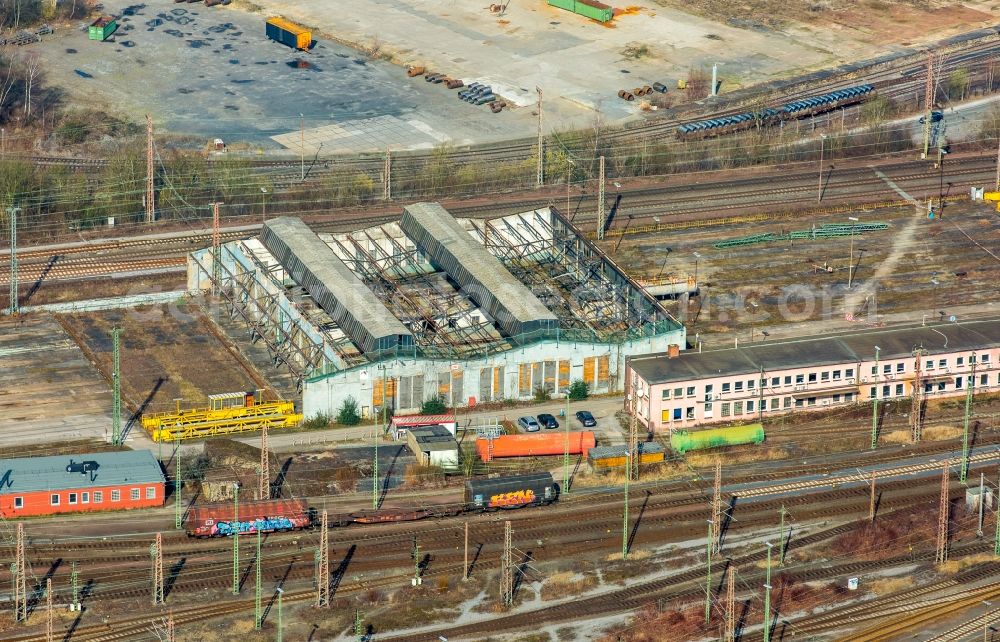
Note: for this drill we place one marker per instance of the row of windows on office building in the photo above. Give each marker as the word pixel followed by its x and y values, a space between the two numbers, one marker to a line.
pixel 95 497
pixel 751 384
pixel 814 377
pixel 735 408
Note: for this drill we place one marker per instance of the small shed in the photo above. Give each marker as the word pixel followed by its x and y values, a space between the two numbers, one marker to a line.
pixel 433 446
pixel 401 424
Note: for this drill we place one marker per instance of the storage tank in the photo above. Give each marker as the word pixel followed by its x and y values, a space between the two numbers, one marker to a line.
pixel 288 33
pixel 683 441
pixel 552 443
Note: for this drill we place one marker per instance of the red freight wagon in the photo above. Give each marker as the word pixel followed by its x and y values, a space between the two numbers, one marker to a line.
pixel 216 520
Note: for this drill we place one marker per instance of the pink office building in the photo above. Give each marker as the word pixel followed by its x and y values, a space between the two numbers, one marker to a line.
pixel 680 389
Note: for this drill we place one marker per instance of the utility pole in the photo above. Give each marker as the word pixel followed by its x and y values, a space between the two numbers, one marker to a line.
pixel 156 553
pixel 236 538
pixel 375 483
pixel 265 467
pixel 875 401
pixel 565 476
pixel 116 381
pixel 628 464
pixel 359 630
pixel 781 537
pixel 12 213
pixel 942 540
pixel 996 536
pixel 601 222
pixel 871 504
pixel 633 445
pixel 258 612
pixel 767 596
pixel 709 545
pixel 998 163
pixel 178 485
pixel 928 103
pixel 982 502
pixel 20 572
pixel 415 553
pixel 969 388
pixel 506 567
pixel 850 265
pixel 150 203
pixel 916 398
pixel 74 579
pixel 717 508
pixel 323 568
pixel 281 624
pixel 819 188
pixel 465 567
pixel 48 609
pixel 731 604
pixel 387 177
pixel 540 170
pixel 216 248
pixel 715 79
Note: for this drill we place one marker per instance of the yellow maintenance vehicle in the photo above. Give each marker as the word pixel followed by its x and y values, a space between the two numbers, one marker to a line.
pixel 228 413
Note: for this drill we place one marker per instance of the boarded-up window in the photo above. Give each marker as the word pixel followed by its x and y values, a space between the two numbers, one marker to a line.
pixel 665 415
pixel 536 376
pixel 377 392
pixel 497 383
pixel 457 387
pixel 390 393
pixel 550 376
pixel 444 386
pixel 524 380
pixel 589 370
pixel 405 396
pixel 603 371
pixel 485 379
pixel 418 390
pixel 563 376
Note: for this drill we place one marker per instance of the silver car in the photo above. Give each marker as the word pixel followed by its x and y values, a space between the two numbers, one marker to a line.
pixel 528 424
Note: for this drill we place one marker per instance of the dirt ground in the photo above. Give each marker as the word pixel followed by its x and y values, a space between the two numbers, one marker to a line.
pixel 755 287
pixel 167 353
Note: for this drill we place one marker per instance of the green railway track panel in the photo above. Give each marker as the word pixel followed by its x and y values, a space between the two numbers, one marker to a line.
pixel 826 230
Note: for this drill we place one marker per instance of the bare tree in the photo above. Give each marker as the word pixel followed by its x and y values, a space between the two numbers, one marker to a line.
pixel 32 68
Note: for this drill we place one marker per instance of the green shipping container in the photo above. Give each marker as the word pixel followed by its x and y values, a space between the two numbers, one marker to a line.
pixel 683 441
pixel 102 28
pixel 594 10
pixel 586 8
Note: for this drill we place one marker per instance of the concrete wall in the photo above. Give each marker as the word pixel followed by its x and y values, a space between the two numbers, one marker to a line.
pixel 326 394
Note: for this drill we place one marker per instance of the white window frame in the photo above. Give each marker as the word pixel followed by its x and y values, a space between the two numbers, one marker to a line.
pixel 116 495
pixel 150 492
pixel 134 494
pixel 98 496
pixel 18 503
pixel 54 499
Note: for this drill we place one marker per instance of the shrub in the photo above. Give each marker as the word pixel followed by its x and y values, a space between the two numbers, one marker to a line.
pixel 348 415
pixel 542 394
pixel 579 390
pixel 418 475
pixel 434 406
pixel 317 422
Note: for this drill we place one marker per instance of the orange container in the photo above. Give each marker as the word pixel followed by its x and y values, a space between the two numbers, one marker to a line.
pixel 552 443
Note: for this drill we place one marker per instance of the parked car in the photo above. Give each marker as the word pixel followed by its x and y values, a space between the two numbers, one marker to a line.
pixel 527 424
pixel 936 116
pixel 585 418
pixel 547 420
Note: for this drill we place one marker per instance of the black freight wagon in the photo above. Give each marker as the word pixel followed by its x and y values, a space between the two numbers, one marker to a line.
pixel 510 492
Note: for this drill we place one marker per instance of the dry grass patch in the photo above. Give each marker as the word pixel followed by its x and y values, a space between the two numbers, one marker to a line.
pixel 566 583
pixel 940 433
pixel 898 437
pixel 890 585
pixel 954 566
pixel 766 453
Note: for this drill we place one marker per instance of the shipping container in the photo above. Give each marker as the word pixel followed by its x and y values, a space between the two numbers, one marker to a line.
pixel 683 441
pixel 511 492
pixel 288 33
pixel 615 456
pixel 552 443
pixel 102 28
pixel 587 8
pixel 216 520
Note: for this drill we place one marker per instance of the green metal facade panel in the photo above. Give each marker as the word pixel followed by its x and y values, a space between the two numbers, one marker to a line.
pixel 683 441
pixel 563 4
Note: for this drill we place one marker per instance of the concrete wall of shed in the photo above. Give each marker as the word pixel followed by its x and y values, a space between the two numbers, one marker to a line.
pixel 326 394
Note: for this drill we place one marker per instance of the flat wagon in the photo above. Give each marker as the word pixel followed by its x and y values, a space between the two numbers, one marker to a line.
pixel 216 520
